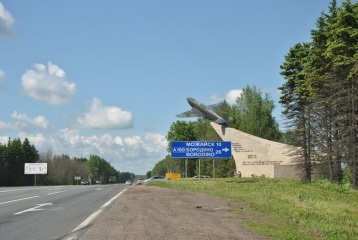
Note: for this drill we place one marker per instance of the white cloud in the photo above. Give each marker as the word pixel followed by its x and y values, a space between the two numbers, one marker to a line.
pixel 48 84
pixel 2 75
pixel 24 123
pixel 153 141
pixel 39 121
pixel 215 98
pixel 230 97
pixel 3 139
pixel 102 117
pixel 37 140
pixel 6 21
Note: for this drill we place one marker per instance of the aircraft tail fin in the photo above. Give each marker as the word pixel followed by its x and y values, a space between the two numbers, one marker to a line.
pixel 226 118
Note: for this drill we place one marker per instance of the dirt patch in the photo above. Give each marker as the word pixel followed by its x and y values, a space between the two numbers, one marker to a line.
pixel 144 212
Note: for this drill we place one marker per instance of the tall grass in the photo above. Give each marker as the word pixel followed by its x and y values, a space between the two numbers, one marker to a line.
pixel 289 209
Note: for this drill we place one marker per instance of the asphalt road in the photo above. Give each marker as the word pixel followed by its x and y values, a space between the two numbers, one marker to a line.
pixel 59 212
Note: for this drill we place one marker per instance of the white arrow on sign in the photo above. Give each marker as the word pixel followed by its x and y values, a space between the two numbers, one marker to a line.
pixel 226 149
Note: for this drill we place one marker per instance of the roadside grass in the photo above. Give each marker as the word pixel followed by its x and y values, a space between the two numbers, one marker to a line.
pixel 291 209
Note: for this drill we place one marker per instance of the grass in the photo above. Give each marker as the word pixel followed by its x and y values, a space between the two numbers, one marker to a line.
pixel 291 209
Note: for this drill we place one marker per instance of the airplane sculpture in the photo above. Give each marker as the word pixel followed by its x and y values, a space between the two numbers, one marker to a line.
pixel 201 110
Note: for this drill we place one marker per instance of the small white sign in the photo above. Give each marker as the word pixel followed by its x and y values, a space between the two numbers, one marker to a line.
pixel 35 168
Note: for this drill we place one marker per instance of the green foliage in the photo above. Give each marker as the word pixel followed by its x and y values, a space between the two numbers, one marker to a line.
pixel 124 176
pixel 320 93
pixel 254 112
pixel 181 131
pixel 100 169
pixel 167 165
pixel 284 208
pixel 13 157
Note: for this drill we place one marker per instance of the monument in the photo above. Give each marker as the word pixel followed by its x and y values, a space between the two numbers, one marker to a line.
pixel 252 155
pixel 258 156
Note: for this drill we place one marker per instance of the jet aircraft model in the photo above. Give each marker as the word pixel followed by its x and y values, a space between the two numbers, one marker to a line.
pixel 201 110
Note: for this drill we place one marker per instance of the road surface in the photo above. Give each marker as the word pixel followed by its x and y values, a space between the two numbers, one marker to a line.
pixel 60 212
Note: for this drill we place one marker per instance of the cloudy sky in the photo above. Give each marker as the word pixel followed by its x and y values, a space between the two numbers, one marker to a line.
pixel 107 77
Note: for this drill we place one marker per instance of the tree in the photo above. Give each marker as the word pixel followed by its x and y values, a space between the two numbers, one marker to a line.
pixel 320 92
pixel 100 169
pixel 13 156
pixel 148 174
pixel 296 99
pixel 254 113
pixel 124 176
pixel 183 131
pixel 342 52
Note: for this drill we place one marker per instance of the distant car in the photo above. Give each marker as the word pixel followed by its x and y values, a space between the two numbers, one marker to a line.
pixel 139 181
pixel 86 182
pixel 200 176
pixel 98 182
pixel 157 178
pixel 128 182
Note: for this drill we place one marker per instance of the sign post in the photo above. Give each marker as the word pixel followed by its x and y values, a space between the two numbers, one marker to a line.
pixel 77 178
pixel 200 149
pixel 35 168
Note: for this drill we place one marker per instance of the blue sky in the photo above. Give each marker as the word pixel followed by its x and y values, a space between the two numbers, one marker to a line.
pixel 107 77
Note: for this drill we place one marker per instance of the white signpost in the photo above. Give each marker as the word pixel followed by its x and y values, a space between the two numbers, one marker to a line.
pixel 77 179
pixel 35 168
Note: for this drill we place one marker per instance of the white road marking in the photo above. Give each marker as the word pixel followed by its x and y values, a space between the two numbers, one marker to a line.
pixel 19 189
pixel 16 200
pixel 56 192
pixel 25 189
pixel 34 208
pixel 90 218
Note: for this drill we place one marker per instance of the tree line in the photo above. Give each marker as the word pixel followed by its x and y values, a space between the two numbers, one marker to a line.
pixel 61 169
pixel 320 95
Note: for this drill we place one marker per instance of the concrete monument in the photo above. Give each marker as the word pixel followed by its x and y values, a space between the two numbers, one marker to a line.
pixel 258 156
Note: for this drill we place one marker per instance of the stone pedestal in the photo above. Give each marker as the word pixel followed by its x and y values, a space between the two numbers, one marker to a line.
pixel 257 156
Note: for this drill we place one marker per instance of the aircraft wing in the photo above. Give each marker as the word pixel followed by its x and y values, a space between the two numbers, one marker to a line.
pixel 215 106
pixel 191 113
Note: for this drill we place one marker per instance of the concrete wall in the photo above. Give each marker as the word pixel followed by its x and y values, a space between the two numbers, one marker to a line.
pixel 254 155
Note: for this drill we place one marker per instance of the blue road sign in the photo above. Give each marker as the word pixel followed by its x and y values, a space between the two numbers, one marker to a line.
pixel 199 149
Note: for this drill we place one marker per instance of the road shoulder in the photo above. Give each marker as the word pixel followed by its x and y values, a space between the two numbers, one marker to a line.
pixel 144 212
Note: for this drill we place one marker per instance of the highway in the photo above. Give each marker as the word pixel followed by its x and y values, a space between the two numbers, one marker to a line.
pixel 58 212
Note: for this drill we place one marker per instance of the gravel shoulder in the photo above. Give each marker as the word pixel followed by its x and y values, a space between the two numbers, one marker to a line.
pixel 144 212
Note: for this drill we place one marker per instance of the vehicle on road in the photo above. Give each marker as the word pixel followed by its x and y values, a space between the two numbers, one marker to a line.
pixel 157 178
pixel 98 182
pixel 129 182
pixel 200 176
pixel 86 182
pixel 139 181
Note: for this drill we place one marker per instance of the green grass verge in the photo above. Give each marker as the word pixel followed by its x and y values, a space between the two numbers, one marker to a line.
pixel 291 209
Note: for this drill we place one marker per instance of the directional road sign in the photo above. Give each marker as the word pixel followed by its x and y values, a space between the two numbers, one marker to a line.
pixel 199 149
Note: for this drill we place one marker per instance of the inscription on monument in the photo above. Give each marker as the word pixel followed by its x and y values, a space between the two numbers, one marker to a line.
pixel 238 148
pixel 262 163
